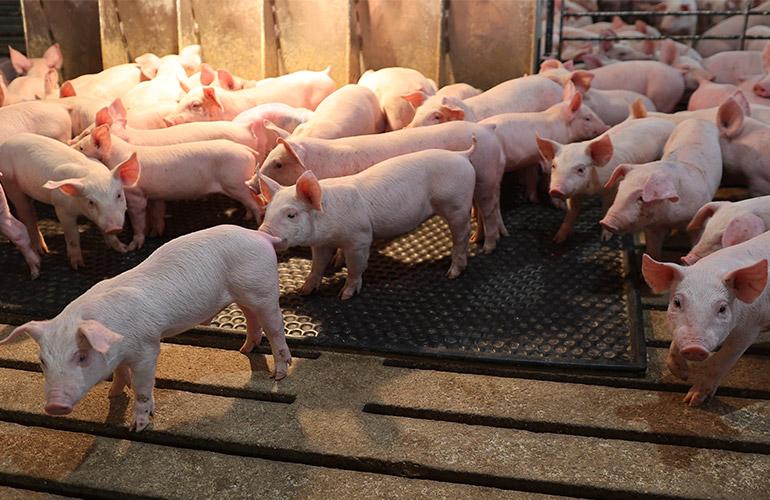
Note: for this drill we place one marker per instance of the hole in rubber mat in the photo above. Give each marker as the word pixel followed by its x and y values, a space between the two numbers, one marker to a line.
pixel 531 301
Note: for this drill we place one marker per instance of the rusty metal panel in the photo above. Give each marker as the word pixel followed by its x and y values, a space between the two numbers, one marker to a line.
pixel 230 33
pixel 490 41
pixel 46 23
pixel 130 28
pixel 401 33
pixel 313 34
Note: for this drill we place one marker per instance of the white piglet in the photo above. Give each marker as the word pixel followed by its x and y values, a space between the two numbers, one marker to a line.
pixel 722 300
pixel 43 169
pixel 117 325
pixel 384 201
pixel 176 172
pixel 11 228
pixel 727 224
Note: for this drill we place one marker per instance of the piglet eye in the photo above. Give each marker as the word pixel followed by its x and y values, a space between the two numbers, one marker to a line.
pixel 640 200
pixel 677 303
pixel 278 165
pixel 82 356
pixel 291 216
pixel 581 170
pixel 91 203
pixel 722 309
pixel 120 196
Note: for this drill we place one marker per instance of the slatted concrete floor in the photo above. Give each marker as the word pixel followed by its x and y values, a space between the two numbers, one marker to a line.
pixel 355 426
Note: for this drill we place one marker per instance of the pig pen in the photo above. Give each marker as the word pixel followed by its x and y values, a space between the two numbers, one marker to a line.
pixel 542 367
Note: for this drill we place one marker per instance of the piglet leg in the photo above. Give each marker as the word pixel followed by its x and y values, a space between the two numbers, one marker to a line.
pixel 15 231
pixel 718 364
pixel 321 258
pixel 357 259
pixel 27 214
pixel 271 320
pixel 676 362
pixel 69 224
pixel 567 226
pixel 120 378
pixel 137 212
pixel 143 381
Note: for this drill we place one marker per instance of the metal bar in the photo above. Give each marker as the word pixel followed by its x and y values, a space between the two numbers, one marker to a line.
pixel 668 13
pixel 561 32
pixel 745 25
pixel 549 27
pixel 663 37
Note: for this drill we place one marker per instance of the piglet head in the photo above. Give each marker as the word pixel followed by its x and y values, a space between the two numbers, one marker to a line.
pixel 292 211
pixel 710 220
pixel 102 199
pixel 573 167
pixel 582 122
pixel 702 304
pixel 75 355
pixel 97 144
pixel 643 198
pixel 201 104
pixel 285 163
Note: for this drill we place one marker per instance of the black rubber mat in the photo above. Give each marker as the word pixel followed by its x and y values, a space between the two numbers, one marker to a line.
pixel 531 301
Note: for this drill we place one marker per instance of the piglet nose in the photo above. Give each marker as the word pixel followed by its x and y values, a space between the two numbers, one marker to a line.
pixel 556 193
pixel 55 408
pixel 761 90
pixel 694 352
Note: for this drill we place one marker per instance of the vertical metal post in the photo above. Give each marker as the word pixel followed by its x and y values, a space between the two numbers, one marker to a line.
pixel 561 29
pixel 548 45
pixel 745 24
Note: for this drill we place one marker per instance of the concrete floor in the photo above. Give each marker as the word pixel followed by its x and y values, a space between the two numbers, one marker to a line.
pixel 356 426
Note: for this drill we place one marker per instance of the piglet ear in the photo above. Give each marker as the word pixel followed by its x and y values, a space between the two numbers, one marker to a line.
pixel 730 118
pixel 283 134
pixel 617 174
pixel 582 80
pixel 600 150
pixel 257 196
pixel 208 75
pixel 658 187
pixel 415 98
pixel 51 83
pixel 103 117
pixel 294 150
pixel 34 329
pixel 668 52
pixel 267 187
pixel 573 103
pixel 128 172
pixel 550 64
pixel 548 149
pixel 53 56
pixel 749 282
pixel 659 275
pixel 210 98
pixel 226 80
pixel 19 61
pixel 706 211
pixel 99 336
pixel 70 187
pixel 742 228
pixel 309 189
pixel 100 137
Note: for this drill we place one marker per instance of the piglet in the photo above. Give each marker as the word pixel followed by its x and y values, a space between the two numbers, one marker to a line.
pixel 348 111
pixel 36 117
pixel 304 89
pixel 117 325
pixel 11 228
pixel 725 224
pixel 567 121
pixel 721 301
pixel 36 66
pixel 520 95
pixel 582 168
pixel 662 83
pixel 659 196
pixel 398 90
pixel 745 145
pixel 39 168
pixel 176 172
pixel 349 212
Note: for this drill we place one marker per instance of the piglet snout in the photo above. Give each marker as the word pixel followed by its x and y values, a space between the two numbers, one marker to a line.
pixel 690 259
pixel 113 230
pixel 556 193
pixel 610 225
pixel 694 352
pixel 761 89
pixel 58 408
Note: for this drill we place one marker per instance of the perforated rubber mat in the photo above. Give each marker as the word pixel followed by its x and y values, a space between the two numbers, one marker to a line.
pixel 531 301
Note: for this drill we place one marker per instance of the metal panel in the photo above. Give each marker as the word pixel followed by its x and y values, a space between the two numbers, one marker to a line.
pixel 230 33
pixel 130 28
pixel 314 34
pixel 48 22
pixel 490 41
pixel 401 33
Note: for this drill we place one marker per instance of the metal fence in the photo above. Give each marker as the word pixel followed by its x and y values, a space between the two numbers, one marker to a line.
pixel 556 21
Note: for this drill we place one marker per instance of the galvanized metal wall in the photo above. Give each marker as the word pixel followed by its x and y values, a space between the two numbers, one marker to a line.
pixel 482 42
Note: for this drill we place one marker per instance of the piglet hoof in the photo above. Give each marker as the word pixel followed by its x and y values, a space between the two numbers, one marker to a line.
pixel 348 291
pixel 76 260
pixel 562 235
pixel 248 346
pixel 140 423
pixel 489 246
pixel 307 288
pixel 606 235
pixel 699 394
pixel 34 270
pixel 559 203
pixel 454 272
pixel 136 244
pixel 282 364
